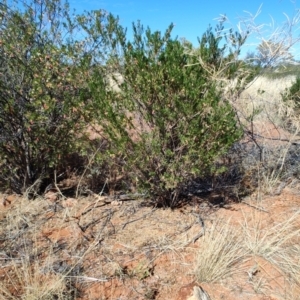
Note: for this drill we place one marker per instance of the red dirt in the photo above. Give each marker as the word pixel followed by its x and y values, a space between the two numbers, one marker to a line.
pixel 138 252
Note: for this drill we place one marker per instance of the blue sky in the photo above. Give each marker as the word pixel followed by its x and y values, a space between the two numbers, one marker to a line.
pixel 191 17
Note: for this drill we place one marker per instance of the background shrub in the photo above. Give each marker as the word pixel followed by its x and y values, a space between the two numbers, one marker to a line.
pixel 293 93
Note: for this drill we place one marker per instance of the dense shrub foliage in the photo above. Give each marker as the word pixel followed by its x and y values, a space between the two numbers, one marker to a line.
pixel 166 123
pixel 170 122
pixel 43 86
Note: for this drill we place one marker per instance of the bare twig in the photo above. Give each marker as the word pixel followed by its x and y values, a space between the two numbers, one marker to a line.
pixel 91 159
pixel 142 217
pixel 56 186
pixel 256 207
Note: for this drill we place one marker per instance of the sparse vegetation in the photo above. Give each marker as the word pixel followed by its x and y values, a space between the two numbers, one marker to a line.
pixel 132 122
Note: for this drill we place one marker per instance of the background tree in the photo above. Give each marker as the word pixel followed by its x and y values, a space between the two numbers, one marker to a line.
pixel 270 53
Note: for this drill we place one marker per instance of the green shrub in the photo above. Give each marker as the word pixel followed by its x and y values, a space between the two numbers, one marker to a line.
pixel 293 92
pixel 170 123
pixel 44 94
pixel 166 123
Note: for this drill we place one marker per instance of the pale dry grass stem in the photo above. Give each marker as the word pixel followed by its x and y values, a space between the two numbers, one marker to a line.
pixel 32 273
pixel 220 253
pixel 26 278
pixel 288 260
pixel 266 241
pixel 277 169
pixel 34 266
pixel 259 285
pixel 292 292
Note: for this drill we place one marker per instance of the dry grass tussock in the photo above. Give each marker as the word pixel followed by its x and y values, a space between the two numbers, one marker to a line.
pixel 266 241
pixel 27 278
pixel 37 260
pixel 227 250
pixel 220 253
pixel 278 244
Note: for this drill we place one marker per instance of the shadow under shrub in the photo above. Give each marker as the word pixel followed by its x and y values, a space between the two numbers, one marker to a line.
pixel 267 167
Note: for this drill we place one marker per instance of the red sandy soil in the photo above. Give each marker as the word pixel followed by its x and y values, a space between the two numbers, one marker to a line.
pixel 127 250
